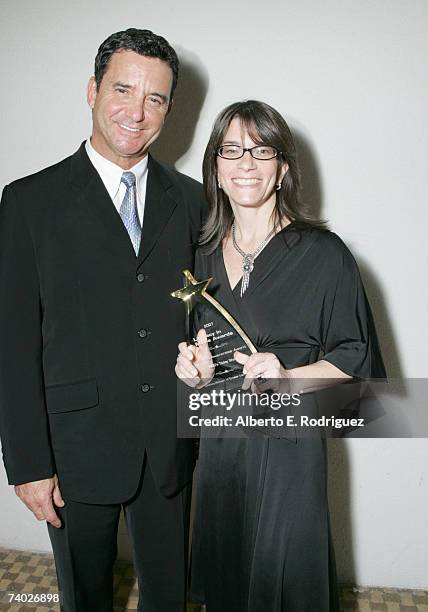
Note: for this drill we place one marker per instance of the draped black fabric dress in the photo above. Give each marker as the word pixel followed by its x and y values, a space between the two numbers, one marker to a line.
pixel 261 540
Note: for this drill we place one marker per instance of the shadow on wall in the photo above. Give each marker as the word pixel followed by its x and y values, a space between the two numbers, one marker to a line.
pixel 177 136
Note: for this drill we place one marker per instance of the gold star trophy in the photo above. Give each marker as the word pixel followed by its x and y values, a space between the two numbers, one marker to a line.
pixel 195 292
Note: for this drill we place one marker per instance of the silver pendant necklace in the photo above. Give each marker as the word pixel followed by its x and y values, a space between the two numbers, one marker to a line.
pixel 248 258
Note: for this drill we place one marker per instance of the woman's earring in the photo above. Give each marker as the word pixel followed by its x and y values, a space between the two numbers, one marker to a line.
pixel 278 187
pixel 219 184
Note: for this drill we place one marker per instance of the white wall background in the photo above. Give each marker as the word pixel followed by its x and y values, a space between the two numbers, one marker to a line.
pixel 349 78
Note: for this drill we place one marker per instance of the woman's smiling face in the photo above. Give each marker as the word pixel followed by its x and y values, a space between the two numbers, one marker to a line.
pixel 247 181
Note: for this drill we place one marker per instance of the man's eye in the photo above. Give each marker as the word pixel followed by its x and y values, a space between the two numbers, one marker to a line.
pixel 154 101
pixel 121 90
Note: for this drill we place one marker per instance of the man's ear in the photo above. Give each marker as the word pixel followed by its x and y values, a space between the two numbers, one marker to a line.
pixel 170 103
pixel 91 91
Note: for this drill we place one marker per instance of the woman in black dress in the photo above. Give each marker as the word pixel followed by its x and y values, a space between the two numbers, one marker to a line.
pixel 261 540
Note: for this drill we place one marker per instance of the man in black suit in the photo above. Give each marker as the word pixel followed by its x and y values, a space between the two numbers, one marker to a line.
pixel 90 249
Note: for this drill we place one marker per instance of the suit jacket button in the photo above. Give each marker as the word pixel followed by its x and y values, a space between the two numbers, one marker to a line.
pixel 145 388
pixel 143 333
pixel 141 278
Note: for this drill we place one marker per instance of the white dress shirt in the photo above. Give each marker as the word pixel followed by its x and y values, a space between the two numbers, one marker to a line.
pixel 111 176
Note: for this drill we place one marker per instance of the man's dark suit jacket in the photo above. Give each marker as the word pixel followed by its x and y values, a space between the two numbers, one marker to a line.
pixel 89 332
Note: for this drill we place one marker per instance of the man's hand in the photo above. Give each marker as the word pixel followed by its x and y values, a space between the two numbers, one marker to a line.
pixel 40 496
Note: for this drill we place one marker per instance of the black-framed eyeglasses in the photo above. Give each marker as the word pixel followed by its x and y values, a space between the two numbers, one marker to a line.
pixel 232 151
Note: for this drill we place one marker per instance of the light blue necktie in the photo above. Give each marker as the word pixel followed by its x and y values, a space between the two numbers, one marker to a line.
pixel 128 210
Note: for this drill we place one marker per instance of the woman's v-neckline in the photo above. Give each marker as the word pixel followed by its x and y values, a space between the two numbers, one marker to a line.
pixel 265 249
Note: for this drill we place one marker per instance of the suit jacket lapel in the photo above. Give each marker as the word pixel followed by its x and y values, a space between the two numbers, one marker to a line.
pixel 93 196
pixel 159 206
pixel 97 203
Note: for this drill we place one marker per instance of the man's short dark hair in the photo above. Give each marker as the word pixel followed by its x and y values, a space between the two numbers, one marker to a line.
pixel 143 42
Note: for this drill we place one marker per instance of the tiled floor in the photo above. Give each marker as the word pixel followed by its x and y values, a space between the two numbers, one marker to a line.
pixel 27 573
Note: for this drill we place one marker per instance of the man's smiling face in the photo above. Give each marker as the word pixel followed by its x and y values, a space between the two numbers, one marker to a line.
pixel 129 107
